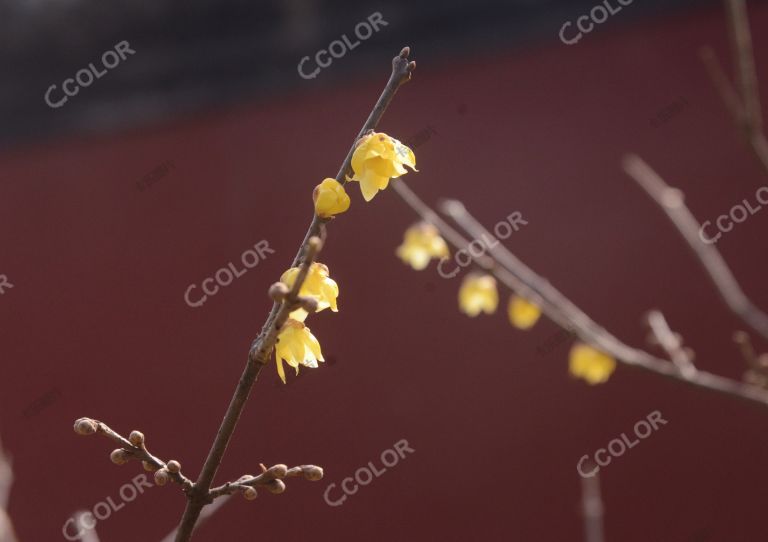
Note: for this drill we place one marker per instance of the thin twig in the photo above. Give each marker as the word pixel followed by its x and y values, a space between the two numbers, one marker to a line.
pixel 268 478
pixel 672 203
pixel 258 356
pixel 7 533
pixel 592 507
pixel 721 82
pixel 670 342
pixel 521 279
pixel 744 107
pixel 590 331
pixel 744 61
pixel 262 346
pixel 88 426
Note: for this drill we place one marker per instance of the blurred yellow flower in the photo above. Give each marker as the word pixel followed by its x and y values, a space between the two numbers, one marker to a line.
pixel 296 346
pixel 522 313
pixel 422 242
pixel 318 284
pixel 478 294
pixel 330 198
pixel 377 159
pixel 590 364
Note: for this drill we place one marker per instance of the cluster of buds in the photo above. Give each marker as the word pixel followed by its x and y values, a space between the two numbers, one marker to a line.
pixel 134 447
pixel 270 479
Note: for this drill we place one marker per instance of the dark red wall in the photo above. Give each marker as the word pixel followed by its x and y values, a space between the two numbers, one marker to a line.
pixel 97 322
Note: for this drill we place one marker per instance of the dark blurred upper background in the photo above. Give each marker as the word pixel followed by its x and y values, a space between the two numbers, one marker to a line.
pixel 204 53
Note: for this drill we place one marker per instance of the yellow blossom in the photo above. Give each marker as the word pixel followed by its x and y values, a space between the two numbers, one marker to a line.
pixel 318 285
pixel 590 364
pixel 377 159
pixel 296 346
pixel 478 294
pixel 522 313
pixel 422 242
pixel 330 198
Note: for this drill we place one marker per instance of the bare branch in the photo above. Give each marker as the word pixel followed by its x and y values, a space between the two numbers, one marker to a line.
pixel 133 447
pixel 270 478
pixel 671 343
pixel 262 346
pixel 721 82
pixel 555 303
pixel 744 61
pixel 592 507
pixel 744 108
pixel 672 203
pixel 519 278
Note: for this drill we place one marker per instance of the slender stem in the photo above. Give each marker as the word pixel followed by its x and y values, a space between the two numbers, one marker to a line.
pixel 672 203
pixel 592 507
pixel 261 348
pixel 670 342
pixel 744 106
pixel 744 61
pixel 518 277
pixel 258 356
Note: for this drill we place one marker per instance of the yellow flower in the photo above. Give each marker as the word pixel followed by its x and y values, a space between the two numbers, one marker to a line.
pixel 330 198
pixel 590 364
pixel 377 159
pixel 317 284
pixel 296 346
pixel 522 313
pixel 422 242
pixel 478 294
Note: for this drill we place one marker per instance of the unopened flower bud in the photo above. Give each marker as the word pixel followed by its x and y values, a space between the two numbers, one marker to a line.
pixel 250 494
pixel 173 466
pixel 162 477
pixel 278 291
pixel 85 426
pixel 136 438
pixel 330 198
pixel 312 473
pixel 309 304
pixel 149 467
pixel 276 487
pixel 278 471
pixel 119 457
